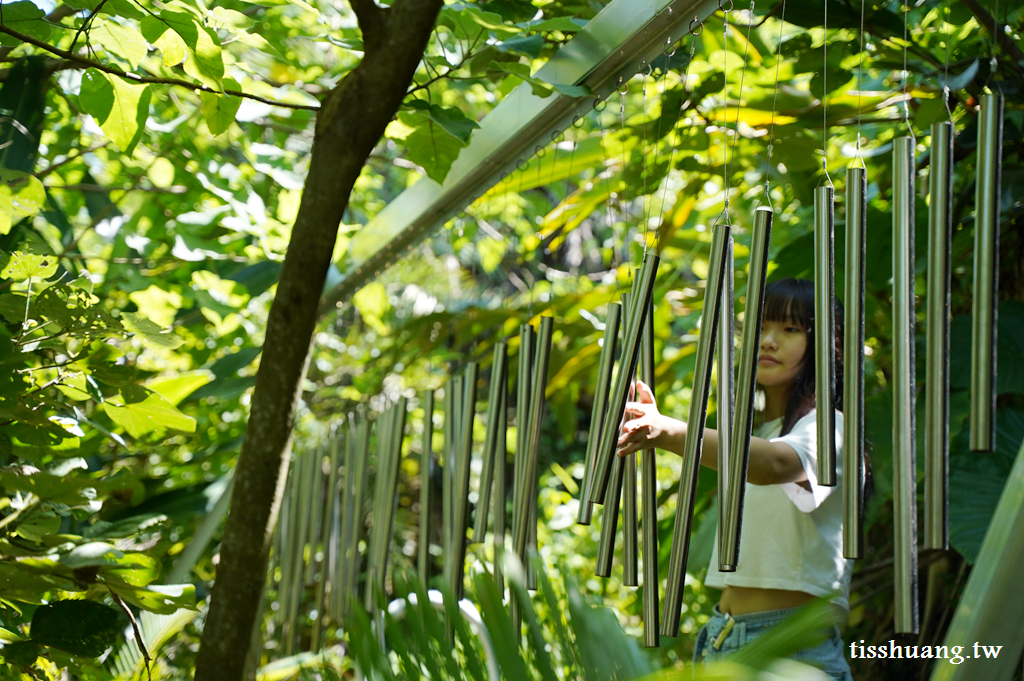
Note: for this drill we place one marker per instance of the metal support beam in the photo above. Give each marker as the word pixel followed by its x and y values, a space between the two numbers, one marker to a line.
pixel 614 44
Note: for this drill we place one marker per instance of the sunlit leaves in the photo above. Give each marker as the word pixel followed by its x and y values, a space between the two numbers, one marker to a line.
pixel 150 333
pixel 373 304
pixel 451 120
pixel 20 199
pixel 140 411
pixel 23 266
pixel 219 110
pixel 202 53
pixel 124 41
pixel 120 107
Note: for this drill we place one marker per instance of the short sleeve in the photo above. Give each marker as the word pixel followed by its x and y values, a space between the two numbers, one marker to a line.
pixel 803 438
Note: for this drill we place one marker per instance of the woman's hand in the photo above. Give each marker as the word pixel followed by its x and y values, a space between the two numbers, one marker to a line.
pixel 650 429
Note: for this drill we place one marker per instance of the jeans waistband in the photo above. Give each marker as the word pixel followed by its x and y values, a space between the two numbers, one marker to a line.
pixel 765 616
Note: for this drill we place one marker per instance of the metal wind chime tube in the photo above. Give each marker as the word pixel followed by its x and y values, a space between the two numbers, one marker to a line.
pixel 904 467
pixel 373 572
pixel 649 495
pixel 328 534
pixel 853 373
pixel 527 338
pixel 694 441
pixel 606 363
pixel 936 413
pixel 465 457
pixel 825 333
pixel 426 467
pixel 619 394
pixel 357 525
pixel 538 383
pixel 345 521
pixel 746 383
pixel 500 489
pixel 613 496
pixel 725 395
pixel 630 524
pixel 391 446
pixel 313 535
pixel 986 274
pixel 452 397
pixel 495 402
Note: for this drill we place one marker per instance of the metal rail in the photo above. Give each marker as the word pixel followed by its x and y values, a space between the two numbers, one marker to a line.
pixel 616 43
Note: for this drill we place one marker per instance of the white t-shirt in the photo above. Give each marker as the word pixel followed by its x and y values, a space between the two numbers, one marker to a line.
pixel 791 537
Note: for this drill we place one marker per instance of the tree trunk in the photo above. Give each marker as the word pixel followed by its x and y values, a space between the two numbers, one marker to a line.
pixel 348 127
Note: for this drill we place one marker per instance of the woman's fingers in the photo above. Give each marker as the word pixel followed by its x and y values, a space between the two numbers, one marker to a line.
pixel 644 393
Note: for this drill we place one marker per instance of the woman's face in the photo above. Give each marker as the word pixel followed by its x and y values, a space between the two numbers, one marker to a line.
pixel 782 350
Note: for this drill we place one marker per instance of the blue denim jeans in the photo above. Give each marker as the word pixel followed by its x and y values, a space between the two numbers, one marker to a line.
pixel 829 656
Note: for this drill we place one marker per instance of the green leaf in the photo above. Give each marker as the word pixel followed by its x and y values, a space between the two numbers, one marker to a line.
pixel 176 388
pixel 24 199
pixel 467 22
pixel 22 653
pixel 120 108
pixel 78 627
pixel 150 333
pixel 429 145
pixel 159 305
pixel 24 265
pixel 203 60
pixel 219 110
pixel 372 303
pixel 163 599
pixel 123 41
pixel 172 47
pixel 8 637
pixel 141 416
pixel 452 120
pixel 24 17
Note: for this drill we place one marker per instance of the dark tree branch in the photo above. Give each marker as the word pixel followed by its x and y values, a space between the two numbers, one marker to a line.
pixel 349 124
pixel 372 22
pixel 1005 42
pixel 70 56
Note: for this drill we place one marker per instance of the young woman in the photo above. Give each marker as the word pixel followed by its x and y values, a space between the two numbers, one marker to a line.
pixel 791 543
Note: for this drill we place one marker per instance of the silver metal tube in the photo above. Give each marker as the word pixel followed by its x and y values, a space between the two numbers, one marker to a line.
pixel 604 379
pixel 825 334
pixel 694 441
pixel 903 427
pixel 426 466
pixel 630 524
pixel 986 275
pixel 643 290
pixel 451 391
pixel 725 394
pixel 649 496
pixel 500 489
pixel 746 386
pixel 936 412
pixel 614 494
pixel 465 458
pixel 527 340
pixel 853 364
pixel 499 380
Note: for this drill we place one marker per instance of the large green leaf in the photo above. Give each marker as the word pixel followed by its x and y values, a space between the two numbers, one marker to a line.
pixel 124 41
pixel 140 411
pixel 25 17
pixel 121 108
pixel 78 627
pixel 219 110
pixel 203 59
pixel 23 266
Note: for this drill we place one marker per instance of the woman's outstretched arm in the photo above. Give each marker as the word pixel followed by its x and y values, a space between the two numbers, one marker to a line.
pixel 771 463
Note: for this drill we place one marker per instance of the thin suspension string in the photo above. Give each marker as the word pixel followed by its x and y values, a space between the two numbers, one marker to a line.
pixel 824 98
pixel 743 74
pixel 645 204
pixel 906 103
pixel 622 152
pixel 775 98
pixel 860 83
pixel 945 69
pixel 675 135
pixel 725 107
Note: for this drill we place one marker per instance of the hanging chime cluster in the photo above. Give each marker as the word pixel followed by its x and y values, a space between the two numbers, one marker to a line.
pixel 321 545
pixel 609 479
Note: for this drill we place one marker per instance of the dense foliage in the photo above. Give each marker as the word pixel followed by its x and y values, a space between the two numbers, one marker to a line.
pixel 152 156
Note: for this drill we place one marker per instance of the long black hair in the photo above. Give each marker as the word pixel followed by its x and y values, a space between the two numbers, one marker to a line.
pixel 793 300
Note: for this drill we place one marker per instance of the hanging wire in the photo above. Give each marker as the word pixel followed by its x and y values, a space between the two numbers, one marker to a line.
pixel 775 99
pixel 623 89
pixel 694 34
pixel 906 102
pixel 743 74
pixel 824 97
pixel 945 81
pixel 725 106
pixel 860 82
pixel 644 203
